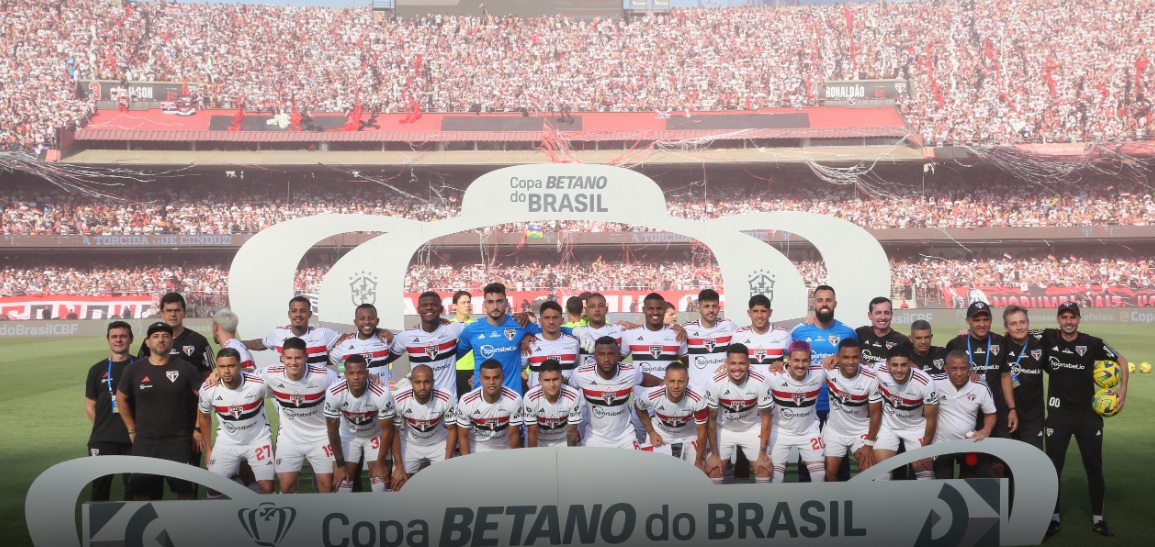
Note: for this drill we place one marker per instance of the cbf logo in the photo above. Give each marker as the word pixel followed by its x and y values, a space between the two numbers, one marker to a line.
pixel 267 524
pixel 761 282
pixel 363 288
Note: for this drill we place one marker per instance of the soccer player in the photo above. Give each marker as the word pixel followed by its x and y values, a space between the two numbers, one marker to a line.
pixel 708 336
pixel 606 386
pixel 489 417
pixel 597 327
pixel 877 338
pixel 153 398
pixel 671 317
pixel 928 358
pixel 359 413
pixel 855 411
pixel 823 335
pixel 961 403
pixel 910 410
pixel 318 340
pixel 795 421
pixel 187 344
pixel 498 337
pixel 225 324
pixel 426 426
pixel 655 345
pixel 678 426
pixel 1070 388
pixel 551 344
pixel 988 356
pixel 299 390
pixel 743 400
pixel 553 410
pixel 462 307
pixel 431 342
pixel 243 435
pixel 767 342
pixel 109 436
pixel 1026 357
pixel 366 343
pixel 575 311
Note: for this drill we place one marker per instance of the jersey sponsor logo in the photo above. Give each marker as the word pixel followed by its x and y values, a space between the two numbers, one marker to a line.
pixel 172 375
pixel 1080 350
pixel 510 333
pixel 1036 354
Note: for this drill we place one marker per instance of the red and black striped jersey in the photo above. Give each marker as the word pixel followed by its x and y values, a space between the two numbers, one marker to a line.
pixel 490 424
pixel 437 349
pixel 240 412
pixel 360 416
pixel 903 403
pixel 652 350
pixel 673 420
pixel 424 424
pixel 301 417
pixel 850 399
pixel 795 410
pixel 318 342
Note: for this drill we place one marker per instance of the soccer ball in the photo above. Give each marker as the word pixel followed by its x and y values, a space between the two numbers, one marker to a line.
pixel 1107 374
pixel 1106 403
pixel 1131 368
pixel 1145 367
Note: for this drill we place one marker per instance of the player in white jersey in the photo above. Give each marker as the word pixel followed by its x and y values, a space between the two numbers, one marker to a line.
pixel 597 327
pixel 359 414
pixel 855 411
pixel 678 425
pixel 960 403
pixel 655 345
pixel 489 417
pixel 427 426
pixel 740 416
pixel 606 387
pixel 767 342
pixel 910 410
pixel 707 339
pixel 552 343
pixel 365 343
pixel 299 390
pixel 244 434
pixel 225 324
pixel 318 340
pixel 795 423
pixel 432 342
pixel 553 411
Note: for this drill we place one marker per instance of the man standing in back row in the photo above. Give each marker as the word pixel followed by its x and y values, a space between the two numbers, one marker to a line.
pixel 498 336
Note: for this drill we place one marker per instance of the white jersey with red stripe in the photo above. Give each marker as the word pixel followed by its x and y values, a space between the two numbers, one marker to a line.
pixel 763 348
pixel 360 416
pixel 795 411
pixel 437 350
pixel 903 403
pixel 373 349
pixel 247 361
pixel 552 419
pixel 849 401
pixel 706 347
pixel 301 402
pixel 739 404
pixel 240 412
pixel 424 424
pixel 609 403
pixel 672 420
pixel 565 349
pixel 959 409
pixel 654 349
pixel 490 424
pixel 589 334
pixel 318 342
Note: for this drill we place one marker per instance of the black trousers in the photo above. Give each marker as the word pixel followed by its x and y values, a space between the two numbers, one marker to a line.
pixel 1087 429
pixel 102 486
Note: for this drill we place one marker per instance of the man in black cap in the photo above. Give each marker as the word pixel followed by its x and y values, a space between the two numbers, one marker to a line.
pixel 1071 357
pixel 153 399
pixel 988 356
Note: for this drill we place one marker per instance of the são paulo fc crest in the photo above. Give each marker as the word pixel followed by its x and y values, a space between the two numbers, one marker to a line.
pixel 235 411
pixel 296 399
pixel 834 339
pixel 1036 354
pixel 431 352
pixel 759 355
pixel 1080 350
pixel 735 405
pixel 188 350
pixel 510 333
pixel 609 397
pixel 172 375
pixel 656 351
pixel 889 345
pixel 363 288
pixel 995 349
pixel 761 282
pixel 709 343
pixel 799 398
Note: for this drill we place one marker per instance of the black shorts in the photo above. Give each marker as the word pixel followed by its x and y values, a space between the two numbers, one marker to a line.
pixel 1031 432
pixel 175 451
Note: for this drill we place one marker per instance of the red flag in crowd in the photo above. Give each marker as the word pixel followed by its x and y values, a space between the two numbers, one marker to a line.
pixel 238 116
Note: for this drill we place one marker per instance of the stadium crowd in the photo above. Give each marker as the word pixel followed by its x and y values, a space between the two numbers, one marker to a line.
pixel 218 207
pixel 988 71
pixel 912 277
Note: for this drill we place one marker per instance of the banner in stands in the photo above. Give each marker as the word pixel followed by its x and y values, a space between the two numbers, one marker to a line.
pixel 843 90
pixel 102 90
pixel 74 307
pixel 617 301
pixel 1091 296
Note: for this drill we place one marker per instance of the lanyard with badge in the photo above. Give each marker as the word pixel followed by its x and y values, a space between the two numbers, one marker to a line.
pixel 987 362
pixel 108 383
pixel 1018 364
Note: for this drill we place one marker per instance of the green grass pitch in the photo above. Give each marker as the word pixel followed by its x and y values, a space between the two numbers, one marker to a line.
pixel 44 423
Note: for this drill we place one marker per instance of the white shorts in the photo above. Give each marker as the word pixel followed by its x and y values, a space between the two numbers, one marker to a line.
pixel 809 447
pixel 551 443
pixel 888 439
pixel 838 445
pixel 354 448
pixel 684 449
pixel 627 442
pixel 748 440
pixel 291 457
pixel 418 456
pixel 226 459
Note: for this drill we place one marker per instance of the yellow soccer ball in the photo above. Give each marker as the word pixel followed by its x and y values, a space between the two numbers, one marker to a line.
pixel 1106 403
pixel 1107 374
